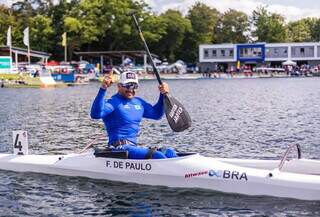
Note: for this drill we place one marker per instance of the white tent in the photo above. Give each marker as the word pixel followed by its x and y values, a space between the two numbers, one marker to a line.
pixel 289 63
pixel 157 61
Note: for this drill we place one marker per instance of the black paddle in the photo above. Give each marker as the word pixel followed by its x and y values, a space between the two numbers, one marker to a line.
pixel 177 116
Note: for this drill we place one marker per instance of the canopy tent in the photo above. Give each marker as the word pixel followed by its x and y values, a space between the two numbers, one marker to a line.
pixel 289 63
pixel 115 55
pixel 52 63
pixel 156 60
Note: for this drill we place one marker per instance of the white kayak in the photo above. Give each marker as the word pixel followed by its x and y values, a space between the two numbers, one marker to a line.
pixel 296 178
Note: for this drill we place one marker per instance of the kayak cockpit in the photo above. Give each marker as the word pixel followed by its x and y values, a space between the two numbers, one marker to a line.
pixel 107 153
pixel 122 154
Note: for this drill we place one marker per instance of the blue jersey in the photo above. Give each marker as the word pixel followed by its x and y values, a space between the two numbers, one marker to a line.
pixel 122 116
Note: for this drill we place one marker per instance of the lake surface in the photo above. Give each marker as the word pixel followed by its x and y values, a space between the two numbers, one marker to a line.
pixel 239 118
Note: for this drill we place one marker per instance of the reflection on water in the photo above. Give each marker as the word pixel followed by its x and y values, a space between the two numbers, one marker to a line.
pixel 244 118
pixel 38 195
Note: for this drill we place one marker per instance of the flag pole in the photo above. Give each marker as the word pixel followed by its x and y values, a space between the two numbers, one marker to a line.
pixel 28 47
pixel 10 51
pixel 29 54
pixel 10 44
pixel 64 43
pixel 65 53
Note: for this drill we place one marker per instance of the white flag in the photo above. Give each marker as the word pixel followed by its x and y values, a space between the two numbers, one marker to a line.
pixel 9 37
pixel 26 36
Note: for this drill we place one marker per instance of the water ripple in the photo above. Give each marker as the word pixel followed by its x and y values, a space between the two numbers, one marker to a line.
pixel 248 118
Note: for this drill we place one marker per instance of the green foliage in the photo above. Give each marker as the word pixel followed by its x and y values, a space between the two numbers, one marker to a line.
pixel 4 24
pixel 269 27
pixel 72 25
pixel 40 32
pixel 299 31
pixel 203 22
pixel 93 25
pixel 232 27
pixel 315 29
pixel 176 27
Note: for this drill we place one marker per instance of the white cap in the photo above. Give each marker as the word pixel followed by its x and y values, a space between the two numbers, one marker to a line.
pixel 128 77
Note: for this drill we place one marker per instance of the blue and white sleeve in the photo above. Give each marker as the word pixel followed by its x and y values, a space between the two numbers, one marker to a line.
pixel 100 108
pixel 155 111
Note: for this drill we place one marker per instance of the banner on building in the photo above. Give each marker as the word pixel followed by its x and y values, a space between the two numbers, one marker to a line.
pixel 5 64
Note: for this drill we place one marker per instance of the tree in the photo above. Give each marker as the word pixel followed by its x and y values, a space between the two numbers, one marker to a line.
pixel 40 32
pixel 299 31
pixel 105 24
pixel 203 21
pixel 315 29
pixel 232 27
pixel 5 21
pixel 58 13
pixel 175 27
pixel 122 34
pixel 268 27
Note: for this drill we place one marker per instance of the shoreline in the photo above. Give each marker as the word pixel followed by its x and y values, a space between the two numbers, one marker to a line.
pixel 199 76
pixel 26 81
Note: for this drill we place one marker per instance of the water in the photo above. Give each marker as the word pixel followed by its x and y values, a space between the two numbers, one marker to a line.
pixel 240 118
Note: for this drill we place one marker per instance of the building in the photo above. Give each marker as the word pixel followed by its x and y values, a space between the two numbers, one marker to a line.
pixel 112 58
pixel 224 57
pixel 21 54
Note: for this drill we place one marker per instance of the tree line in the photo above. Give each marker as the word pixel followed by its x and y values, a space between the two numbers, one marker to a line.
pixel 97 25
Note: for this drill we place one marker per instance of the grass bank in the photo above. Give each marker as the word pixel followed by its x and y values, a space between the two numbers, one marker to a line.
pixel 23 81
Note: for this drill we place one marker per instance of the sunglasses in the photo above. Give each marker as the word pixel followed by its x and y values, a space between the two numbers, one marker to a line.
pixel 130 86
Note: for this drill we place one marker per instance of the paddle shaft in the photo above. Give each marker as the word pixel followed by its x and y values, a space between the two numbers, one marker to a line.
pixel 155 70
pixel 178 118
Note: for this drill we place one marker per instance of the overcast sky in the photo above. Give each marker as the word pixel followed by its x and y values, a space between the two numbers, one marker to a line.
pixel 290 9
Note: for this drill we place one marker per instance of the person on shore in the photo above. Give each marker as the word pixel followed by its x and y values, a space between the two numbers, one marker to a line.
pixel 122 114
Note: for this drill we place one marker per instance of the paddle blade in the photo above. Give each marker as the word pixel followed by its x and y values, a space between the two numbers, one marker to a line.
pixel 177 116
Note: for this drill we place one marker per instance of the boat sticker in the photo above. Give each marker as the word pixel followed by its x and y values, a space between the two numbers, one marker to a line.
pixel 227 174
pixel 128 165
pixel 215 173
pixel 190 175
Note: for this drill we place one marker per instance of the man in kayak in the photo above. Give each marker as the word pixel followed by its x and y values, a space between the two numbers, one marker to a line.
pixel 122 114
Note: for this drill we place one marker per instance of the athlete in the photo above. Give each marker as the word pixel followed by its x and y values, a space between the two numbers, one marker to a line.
pixel 122 114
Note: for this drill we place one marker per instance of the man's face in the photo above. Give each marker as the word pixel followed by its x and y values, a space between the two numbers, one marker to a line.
pixel 127 90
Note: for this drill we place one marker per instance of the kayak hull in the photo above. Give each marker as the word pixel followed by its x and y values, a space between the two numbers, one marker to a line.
pixel 299 179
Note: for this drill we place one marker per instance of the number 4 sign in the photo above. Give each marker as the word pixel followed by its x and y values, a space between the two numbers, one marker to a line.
pixel 20 142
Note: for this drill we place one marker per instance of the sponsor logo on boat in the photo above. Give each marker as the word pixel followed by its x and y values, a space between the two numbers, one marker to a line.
pixel 128 165
pixel 190 175
pixel 227 174
pixel 215 173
